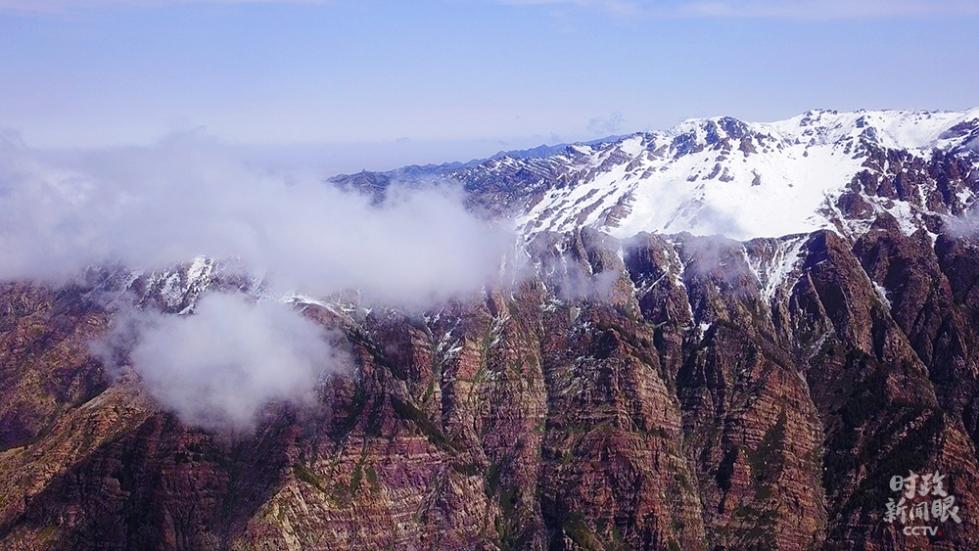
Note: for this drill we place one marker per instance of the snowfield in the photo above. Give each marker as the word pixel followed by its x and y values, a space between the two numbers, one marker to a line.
pixel 727 177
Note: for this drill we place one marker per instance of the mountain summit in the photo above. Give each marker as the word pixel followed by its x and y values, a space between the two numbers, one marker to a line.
pixel 821 169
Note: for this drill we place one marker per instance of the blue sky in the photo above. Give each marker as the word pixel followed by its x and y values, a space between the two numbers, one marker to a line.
pixel 380 83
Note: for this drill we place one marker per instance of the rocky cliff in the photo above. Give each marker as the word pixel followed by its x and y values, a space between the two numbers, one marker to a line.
pixel 666 392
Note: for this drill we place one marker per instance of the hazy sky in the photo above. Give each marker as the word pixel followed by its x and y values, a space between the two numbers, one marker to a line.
pixel 377 84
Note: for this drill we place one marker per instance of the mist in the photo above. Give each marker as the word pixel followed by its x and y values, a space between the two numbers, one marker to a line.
pixel 151 208
pixel 963 226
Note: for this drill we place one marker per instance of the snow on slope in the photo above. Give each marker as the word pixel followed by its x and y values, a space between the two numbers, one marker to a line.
pixel 741 180
pixel 768 193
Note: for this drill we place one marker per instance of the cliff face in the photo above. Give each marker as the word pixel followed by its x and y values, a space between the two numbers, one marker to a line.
pixel 656 392
pixel 660 393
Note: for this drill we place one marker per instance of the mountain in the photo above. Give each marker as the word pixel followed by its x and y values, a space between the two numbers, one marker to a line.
pixel 649 385
pixel 724 176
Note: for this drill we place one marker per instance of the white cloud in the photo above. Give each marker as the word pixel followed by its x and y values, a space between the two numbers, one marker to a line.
pixel 774 9
pixel 58 6
pixel 619 7
pixel 219 368
pixel 768 9
pixel 827 9
pixel 600 127
pixel 964 226
pixel 151 208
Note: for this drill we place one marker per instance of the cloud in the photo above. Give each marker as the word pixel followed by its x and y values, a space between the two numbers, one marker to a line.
pixel 832 9
pixel 151 208
pixel 605 126
pixel 768 9
pixel 964 226
pixel 765 9
pixel 219 368
pixel 60 6
pixel 617 7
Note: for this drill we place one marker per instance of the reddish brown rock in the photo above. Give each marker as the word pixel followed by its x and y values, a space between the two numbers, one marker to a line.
pixel 665 393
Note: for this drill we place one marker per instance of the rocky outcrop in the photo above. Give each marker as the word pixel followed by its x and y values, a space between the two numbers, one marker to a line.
pixel 668 392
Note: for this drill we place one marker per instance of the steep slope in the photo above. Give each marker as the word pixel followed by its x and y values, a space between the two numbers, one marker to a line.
pixel 657 393
pixel 742 180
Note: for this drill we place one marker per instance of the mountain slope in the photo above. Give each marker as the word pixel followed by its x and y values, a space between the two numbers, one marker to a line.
pixel 657 393
pixel 742 180
pixel 656 390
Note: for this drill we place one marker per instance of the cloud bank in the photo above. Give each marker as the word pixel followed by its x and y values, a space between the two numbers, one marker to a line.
pixel 762 9
pixel 219 368
pixel 964 226
pixel 59 6
pixel 153 208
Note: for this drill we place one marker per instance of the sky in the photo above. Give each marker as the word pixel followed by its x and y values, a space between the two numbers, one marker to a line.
pixel 346 84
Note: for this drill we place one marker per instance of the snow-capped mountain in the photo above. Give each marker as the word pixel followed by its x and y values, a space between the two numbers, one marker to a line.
pixel 742 180
pixel 662 391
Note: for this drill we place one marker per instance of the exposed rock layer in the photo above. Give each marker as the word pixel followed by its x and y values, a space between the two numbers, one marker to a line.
pixel 664 393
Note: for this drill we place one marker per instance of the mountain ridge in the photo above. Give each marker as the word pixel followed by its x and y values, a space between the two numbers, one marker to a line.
pixel 792 173
pixel 660 391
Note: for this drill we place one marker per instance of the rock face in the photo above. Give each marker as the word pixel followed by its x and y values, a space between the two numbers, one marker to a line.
pixel 821 169
pixel 658 391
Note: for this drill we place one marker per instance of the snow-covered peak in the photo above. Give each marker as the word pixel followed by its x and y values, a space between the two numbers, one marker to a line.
pixel 892 129
pixel 724 176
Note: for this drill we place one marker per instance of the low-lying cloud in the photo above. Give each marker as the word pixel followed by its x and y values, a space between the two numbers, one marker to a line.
pixel 219 368
pixel 766 9
pixel 60 6
pixel 152 208
pixel 964 226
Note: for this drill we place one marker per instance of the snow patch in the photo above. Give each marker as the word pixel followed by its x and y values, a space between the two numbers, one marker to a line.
pixel 882 294
pixel 772 273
